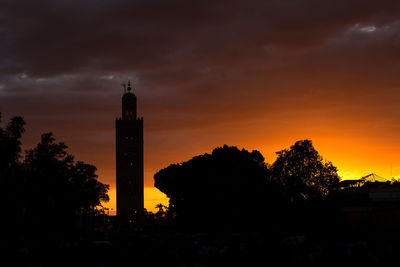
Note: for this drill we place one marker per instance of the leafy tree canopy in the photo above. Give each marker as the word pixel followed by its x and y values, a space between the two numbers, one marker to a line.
pixel 236 187
pixel 47 191
pixel 63 182
pixel 218 188
pixel 10 144
pixel 303 173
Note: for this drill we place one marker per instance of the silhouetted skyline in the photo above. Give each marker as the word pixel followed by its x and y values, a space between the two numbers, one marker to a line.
pixel 258 75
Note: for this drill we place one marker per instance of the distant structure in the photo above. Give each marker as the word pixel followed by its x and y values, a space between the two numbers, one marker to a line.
pixel 129 163
pixel 372 177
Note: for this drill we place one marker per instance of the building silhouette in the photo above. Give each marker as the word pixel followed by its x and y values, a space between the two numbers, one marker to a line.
pixel 129 163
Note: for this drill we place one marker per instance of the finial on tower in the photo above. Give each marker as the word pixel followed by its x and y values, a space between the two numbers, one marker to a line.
pixel 129 86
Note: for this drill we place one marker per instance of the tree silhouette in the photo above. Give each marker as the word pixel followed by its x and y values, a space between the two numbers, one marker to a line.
pixel 10 143
pixel 47 192
pixel 47 188
pixel 88 191
pixel 222 189
pixel 11 174
pixel 303 173
pixel 234 188
pixel 161 208
pixel 64 190
pixel 305 182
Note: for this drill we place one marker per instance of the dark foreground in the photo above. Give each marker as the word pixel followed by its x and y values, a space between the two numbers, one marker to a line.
pixel 216 249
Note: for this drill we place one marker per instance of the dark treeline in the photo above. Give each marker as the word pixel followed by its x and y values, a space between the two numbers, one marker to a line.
pixel 48 196
pixel 235 190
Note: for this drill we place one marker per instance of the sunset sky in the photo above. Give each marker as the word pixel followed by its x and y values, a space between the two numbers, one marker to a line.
pixel 253 74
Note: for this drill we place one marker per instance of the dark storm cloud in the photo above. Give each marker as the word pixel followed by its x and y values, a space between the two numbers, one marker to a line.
pixel 49 38
pixel 190 47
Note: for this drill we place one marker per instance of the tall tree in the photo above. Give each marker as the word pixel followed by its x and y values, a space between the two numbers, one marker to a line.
pixel 48 191
pixel 303 173
pixel 11 177
pixel 10 144
pixel 88 192
pixel 59 190
pixel 222 189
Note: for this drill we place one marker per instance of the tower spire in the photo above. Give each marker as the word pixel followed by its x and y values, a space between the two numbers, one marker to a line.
pixel 129 86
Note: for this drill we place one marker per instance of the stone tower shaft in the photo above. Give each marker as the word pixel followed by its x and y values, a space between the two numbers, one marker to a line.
pixel 129 163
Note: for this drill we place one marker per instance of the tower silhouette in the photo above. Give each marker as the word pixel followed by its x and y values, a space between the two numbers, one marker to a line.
pixel 129 163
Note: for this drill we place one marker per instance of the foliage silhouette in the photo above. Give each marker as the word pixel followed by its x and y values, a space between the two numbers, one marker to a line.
pixel 10 143
pixel 223 189
pixel 305 182
pixel 49 196
pixel 66 191
pixel 236 189
pixel 11 175
pixel 303 173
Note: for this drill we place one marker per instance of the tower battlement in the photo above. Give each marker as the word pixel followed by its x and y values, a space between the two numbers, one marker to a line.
pixel 121 119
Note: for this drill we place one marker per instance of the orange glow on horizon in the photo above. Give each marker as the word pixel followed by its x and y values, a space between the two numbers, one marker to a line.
pixel 152 197
pixel 354 157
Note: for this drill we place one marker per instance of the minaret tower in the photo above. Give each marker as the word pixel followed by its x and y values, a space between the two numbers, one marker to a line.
pixel 129 163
